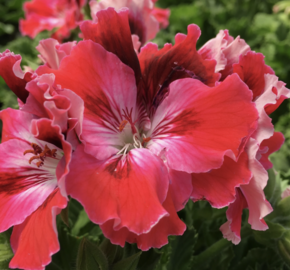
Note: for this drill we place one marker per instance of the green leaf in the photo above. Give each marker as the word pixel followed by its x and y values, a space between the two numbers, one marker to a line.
pixel 129 263
pixel 270 236
pixel 284 248
pixel 5 250
pixel 113 253
pixel 182 250
pixel 259 256
pixel 81 222
pixel 64 216
pixel 91 257
pixel 149 259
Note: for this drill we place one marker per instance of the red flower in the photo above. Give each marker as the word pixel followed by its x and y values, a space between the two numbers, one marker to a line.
pixel 235 56
pixel 145 20
pixel 34 160
pixel 149 122
pixel 43 15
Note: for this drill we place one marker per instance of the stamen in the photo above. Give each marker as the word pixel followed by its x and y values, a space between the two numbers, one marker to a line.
pixel 40 154
pixel 28 151
pixel 122 125
pixel 33 158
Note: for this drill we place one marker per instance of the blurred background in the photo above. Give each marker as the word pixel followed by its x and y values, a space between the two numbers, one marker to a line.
pixel 265 26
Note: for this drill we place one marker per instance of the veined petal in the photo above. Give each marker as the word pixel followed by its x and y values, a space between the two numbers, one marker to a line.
pixel 198 125
pixel 129 191
pixel 218 186
pixel 35 240
pixel 16 125
pixel 107 87
pixel 115 36
pixel 23 186
pixel 158 235
pixel 157 66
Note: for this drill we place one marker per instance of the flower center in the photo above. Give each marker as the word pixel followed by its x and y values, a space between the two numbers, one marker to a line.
pixel 40 154
pixel 130 136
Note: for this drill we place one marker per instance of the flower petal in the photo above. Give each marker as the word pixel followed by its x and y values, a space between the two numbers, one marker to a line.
pixel 158 235
pixel 23 186
pixel 51 52
pixel 268 147
pixel 158 66
pixel 130 191
pixel 107 87
pixel 251 69
pixel 35 240
pixel 115 36
pixel 231 230
pixel 198 125
pixel 218 186
pixel 11 72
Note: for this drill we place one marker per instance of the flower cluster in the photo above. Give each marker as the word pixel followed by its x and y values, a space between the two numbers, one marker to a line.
pixel 134 134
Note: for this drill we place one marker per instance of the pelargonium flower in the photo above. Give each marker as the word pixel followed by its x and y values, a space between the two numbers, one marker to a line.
pixel 43 15
pixel 149 123
pixel 34 161
pixel 145 20
pixel 235 56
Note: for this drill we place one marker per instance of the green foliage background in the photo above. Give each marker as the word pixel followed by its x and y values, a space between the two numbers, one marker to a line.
pixel 202 246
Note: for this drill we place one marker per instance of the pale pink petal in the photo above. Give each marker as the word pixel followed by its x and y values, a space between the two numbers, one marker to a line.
pixel 51 52
pixel 232 53
pixel 213 49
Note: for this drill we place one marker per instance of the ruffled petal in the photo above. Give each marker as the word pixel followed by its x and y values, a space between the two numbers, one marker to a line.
pixel 107 87
pixel 162 16
pixel 158 235
pixel 213 49
pixel 251 69
pixel 280 91
pixel 12 74
pixel 129 190
pixel 258 206
pixel 198 125
pixel 161 67
pixel 35 240
pixel 232 53
pixel 218 187
pixel 268 147
pixel 51 52
pixel 231 230
pixel 115 36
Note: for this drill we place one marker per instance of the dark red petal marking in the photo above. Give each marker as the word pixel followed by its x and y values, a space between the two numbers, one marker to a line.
pixel 156 65
pixel 115 36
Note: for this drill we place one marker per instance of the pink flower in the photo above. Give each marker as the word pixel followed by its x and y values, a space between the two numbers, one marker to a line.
pixel 43 15
pixel 145 20
pixel 149 123
pixel 34 162
pixel 235 56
